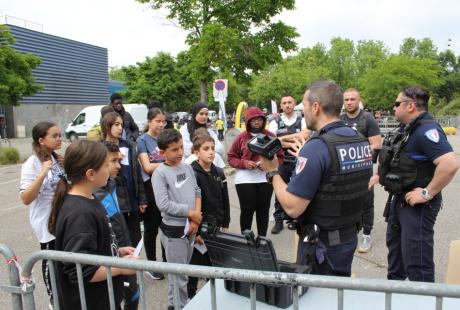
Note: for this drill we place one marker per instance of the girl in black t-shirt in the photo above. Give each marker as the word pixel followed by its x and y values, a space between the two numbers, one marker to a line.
pixel 80 224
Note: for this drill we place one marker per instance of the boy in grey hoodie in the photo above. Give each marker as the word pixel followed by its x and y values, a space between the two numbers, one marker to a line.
pixel 179 199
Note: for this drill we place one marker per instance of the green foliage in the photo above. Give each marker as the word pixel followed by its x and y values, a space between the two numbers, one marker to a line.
pixel 161 78
pixel 451 109
pixel 8 155
pixel 16 80
pixel 380 85
pixel 116 74
pixel 343 63
pixel 231 36
pixel 418 48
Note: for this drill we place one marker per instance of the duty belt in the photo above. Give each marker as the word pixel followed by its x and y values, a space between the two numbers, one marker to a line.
pixel 336 237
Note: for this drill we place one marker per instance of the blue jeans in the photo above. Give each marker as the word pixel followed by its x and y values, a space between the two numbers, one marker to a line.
pixel 409 237
pixel 338 259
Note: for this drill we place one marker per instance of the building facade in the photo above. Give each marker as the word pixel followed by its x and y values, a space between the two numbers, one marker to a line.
pixel 73 75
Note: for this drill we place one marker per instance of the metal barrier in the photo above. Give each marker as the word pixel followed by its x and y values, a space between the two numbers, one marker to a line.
pixel 15 284
pixel 389 123
pixel 439 291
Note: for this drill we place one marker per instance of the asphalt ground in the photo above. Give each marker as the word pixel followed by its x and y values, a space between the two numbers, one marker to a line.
pixel 16 232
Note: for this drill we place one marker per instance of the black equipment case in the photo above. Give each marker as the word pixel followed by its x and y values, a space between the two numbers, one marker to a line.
pixel 247 252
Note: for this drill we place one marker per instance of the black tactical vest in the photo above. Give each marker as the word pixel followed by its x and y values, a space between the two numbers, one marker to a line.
pixel 359 123
pixel 284 130
pixel 398 172
pixel 340 198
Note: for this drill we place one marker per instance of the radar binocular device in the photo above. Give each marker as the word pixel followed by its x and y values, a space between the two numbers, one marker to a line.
pixel 264 145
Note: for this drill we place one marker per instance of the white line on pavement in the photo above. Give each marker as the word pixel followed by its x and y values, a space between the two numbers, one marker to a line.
pixel 10 181
pixel 12 166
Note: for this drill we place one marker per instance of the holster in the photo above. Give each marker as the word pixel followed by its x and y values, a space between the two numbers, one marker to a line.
pixel 308 236
pixel 386 211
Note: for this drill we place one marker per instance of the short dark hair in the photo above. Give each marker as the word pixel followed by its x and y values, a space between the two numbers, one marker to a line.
pixel 287 95
pixel 420 95
pixel 115 96
pixel 111 147
pixel 328 95
pixel 154 104
pixel 106 109
pixel 166 137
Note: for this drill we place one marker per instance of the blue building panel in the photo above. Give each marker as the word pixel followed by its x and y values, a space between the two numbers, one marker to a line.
pixel 71 72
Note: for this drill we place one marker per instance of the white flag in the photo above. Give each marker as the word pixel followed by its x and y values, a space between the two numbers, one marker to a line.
pixel 274 107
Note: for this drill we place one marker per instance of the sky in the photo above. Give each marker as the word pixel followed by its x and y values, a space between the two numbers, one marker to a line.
pixel 132 31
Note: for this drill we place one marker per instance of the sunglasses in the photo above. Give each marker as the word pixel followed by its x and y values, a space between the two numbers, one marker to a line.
pixel 398 103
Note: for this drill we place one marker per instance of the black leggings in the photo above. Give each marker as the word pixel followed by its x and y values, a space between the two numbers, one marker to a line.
pixel 152 220
pixel 45 267
pixel 254 197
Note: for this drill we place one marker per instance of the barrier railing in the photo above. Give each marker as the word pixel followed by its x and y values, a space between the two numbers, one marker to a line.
pixel 389 123
pixel 439 291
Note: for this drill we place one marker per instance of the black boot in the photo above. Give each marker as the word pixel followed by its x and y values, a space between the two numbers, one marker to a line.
pixel 277 228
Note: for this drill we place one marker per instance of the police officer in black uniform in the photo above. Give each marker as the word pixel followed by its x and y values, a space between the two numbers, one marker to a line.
pixel 329 184
pixel 285 125
pixel 415 164
pixel 365 123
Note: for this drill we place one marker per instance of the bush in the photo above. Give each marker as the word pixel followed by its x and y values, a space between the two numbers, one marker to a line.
pixel 451 109
pixel 8 155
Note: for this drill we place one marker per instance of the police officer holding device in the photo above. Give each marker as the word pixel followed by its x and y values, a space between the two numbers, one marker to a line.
pixel 329 185
pixel 415 163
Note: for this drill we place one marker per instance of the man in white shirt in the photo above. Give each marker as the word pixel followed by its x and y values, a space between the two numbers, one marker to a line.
pixel 286 126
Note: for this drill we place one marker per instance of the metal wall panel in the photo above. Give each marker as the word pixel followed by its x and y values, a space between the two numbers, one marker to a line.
pixel 71 72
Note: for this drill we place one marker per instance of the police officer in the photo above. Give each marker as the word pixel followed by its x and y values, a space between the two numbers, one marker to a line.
pixel 329 184
pixel 415 164
pixel 365 123
pixel 286 125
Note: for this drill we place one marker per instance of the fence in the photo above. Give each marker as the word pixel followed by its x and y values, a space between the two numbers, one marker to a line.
pixel 389 123
pixel 23 298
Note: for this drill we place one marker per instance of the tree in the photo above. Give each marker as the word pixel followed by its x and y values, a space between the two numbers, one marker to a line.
pixel 380 86
pixel 368 54
pixel 116 74
pixel 16 80
pixel 163 79
pixel 234 36
pixel 418 48
pixel 341 63
pixel 291 75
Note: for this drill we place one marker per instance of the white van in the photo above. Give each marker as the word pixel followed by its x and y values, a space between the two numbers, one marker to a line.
pixel 89 116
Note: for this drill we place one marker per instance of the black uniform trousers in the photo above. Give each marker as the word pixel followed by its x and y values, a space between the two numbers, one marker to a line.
pixel 409 239
pixel 368 213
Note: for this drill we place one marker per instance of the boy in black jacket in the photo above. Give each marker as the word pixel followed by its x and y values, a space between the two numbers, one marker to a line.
pixel 215 205
pixel 108 197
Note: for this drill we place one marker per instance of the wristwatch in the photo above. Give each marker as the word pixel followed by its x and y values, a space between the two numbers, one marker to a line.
pixel 425 194
pixel 270 175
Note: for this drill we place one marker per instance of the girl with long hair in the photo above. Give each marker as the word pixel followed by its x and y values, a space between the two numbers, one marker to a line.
pixel 39 177
pixel 81 224
pixel 150 158
pixel 130 187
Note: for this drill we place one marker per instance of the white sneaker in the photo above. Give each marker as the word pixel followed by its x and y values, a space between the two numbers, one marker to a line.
pixel 366 244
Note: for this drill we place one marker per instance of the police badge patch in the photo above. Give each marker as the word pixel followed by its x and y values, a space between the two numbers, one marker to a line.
pixel 432 135
pixel 301 162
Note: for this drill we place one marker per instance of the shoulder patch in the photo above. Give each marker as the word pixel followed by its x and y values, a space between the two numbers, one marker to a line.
pixel 301 162
pixel 432 135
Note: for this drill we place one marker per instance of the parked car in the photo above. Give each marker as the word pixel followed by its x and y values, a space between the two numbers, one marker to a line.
pixel 90 116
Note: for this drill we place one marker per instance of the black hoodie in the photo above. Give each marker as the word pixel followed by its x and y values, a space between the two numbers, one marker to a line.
pixel 214 194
